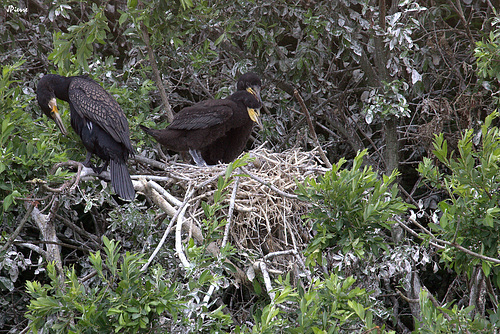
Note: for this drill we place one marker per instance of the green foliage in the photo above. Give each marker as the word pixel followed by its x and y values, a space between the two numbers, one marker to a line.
pixel 80 38
pixel 390 102
pixel 121 298
pixel 487 53
pixel 328 305
pixel 351 208
pixel 450 319
pixel 469 216
pixel 26 153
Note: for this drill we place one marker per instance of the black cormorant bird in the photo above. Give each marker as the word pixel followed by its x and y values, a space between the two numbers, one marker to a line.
pixel 215 131
pixel 97 118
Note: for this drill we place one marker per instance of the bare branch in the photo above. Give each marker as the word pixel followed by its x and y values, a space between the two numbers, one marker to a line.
pixel 14 235
pixel 311 128
pixel 156 73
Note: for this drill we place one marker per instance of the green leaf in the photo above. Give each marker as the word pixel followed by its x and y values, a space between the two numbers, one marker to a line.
pixel 131 4
pixel 486 268
pixel 123 18
pixel 6 283
pixel 7 201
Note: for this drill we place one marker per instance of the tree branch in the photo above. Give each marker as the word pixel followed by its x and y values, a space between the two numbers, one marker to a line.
pixel 311 128
pixel 156 73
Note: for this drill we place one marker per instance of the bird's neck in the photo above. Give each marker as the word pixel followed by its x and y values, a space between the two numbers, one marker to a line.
pixel 60 85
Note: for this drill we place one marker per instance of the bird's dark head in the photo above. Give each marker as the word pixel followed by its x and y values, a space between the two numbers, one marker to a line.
pixel 47 100
pixel 249 94
pixel 251 83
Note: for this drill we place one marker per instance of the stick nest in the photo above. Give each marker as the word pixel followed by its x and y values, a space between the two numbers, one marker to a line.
pixel 264 220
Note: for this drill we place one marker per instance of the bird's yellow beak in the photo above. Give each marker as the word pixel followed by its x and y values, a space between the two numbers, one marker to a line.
pixel 255 91
pixel 255 116
pixel 56 117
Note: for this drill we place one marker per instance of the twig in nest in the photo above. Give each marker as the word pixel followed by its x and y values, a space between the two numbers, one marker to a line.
pixel 155 178
pixel 311 128
pixel 282 193
pixel 165 234
pixel 151 162
pixel 72 183
pixel 164 193
pixel 230 212
pixel 152 194
pixel 178 231
pixel 213 286
pixel 261 265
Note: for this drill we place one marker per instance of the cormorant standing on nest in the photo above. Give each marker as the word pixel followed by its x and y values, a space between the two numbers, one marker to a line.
pixel 97 118
pixel 215 131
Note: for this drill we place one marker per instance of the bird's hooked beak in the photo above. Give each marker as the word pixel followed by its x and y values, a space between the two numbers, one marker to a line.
pixel 255 116
pixel 255 91
pixel 255 113
pixel 54 113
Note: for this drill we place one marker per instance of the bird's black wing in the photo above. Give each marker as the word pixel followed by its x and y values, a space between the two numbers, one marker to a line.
pixel 203 115
pixel 94 103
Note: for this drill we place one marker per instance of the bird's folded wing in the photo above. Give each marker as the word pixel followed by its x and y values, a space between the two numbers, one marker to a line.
pixel 203 115
pixel 91 101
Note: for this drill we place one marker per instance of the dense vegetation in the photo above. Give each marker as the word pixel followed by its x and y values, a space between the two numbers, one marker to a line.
pixel 402 229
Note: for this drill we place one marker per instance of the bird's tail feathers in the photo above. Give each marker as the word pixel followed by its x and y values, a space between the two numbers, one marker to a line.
pixel 121 181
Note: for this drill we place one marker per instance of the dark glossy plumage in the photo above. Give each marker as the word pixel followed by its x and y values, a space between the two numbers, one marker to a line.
pixel 215 131
pixel 97 118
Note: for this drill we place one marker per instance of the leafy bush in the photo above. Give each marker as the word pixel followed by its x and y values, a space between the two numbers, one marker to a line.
pixel 450 319
pixel 351 208
pixel 469 216
pixel 121 298
pixel 28 147
pixel 328 305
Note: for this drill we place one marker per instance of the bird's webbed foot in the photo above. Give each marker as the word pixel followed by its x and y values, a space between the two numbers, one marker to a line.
pixel 99 170
pixel 198 159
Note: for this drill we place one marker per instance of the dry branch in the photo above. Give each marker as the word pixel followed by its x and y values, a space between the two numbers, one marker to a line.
pixel 29 209
pixel 48 230
pixel 156 73
pixel 311 128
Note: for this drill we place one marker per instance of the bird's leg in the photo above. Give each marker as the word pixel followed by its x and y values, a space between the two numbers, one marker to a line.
pixel 198 159
pixel 87 162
